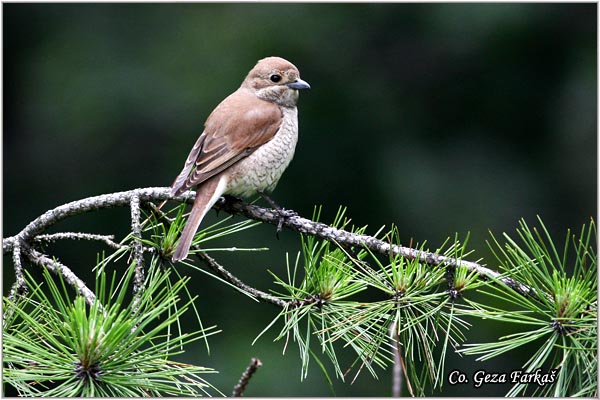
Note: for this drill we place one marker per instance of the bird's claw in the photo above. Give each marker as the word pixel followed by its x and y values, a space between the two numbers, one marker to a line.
pixel 283 215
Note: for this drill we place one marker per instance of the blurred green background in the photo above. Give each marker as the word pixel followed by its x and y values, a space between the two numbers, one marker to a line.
pixel 439 118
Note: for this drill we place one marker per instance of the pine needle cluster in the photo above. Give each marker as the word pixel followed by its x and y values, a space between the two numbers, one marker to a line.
pixel 56 345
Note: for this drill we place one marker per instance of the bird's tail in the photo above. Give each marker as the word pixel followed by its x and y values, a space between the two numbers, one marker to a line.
pixel 206 196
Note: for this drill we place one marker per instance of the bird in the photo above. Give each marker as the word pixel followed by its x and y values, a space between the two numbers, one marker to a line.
pixel 248 141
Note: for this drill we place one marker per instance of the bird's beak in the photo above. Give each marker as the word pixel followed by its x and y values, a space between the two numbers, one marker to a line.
pixel 298 85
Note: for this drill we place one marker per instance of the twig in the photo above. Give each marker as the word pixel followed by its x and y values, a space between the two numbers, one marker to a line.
pixel 397 372
pixel 53 237
pixel 20 286
pixel 138 250
pixel 156 210
pixel 238 390
pixel 60 269
pixel 235 281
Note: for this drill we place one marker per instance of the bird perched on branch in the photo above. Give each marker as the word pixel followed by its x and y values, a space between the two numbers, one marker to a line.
pixel 248 141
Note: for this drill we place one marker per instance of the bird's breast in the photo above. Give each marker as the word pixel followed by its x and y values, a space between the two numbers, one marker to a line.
pixel 262 169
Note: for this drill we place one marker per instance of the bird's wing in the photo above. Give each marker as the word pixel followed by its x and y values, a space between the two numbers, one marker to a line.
pixel 234 130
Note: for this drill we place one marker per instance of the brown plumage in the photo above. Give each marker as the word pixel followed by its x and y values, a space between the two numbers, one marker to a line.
pixel 248 141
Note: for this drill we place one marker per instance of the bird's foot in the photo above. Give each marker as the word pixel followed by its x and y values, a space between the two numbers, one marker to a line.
pixel 283 215
pixel 227 202
pixel 282 212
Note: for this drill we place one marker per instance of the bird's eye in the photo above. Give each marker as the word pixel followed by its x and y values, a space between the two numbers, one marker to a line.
pixel 275 78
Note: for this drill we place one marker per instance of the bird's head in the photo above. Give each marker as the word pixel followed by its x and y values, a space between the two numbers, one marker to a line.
pixel 276 80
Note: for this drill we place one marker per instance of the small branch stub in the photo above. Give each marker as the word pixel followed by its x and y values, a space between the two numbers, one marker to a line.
pixel 238 389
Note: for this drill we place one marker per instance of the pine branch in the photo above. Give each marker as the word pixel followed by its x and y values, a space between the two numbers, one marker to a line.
pixel 266 215
pixel 25 246
pixel 349 239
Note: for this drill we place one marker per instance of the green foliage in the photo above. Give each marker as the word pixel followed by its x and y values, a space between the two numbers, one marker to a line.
pixel 164 236
pixel 347 309
pixel 395 309
pixel 54 345
pixel 333 304
pixel 561 319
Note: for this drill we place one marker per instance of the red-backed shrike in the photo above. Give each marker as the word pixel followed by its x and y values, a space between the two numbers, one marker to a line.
pixel 247 143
